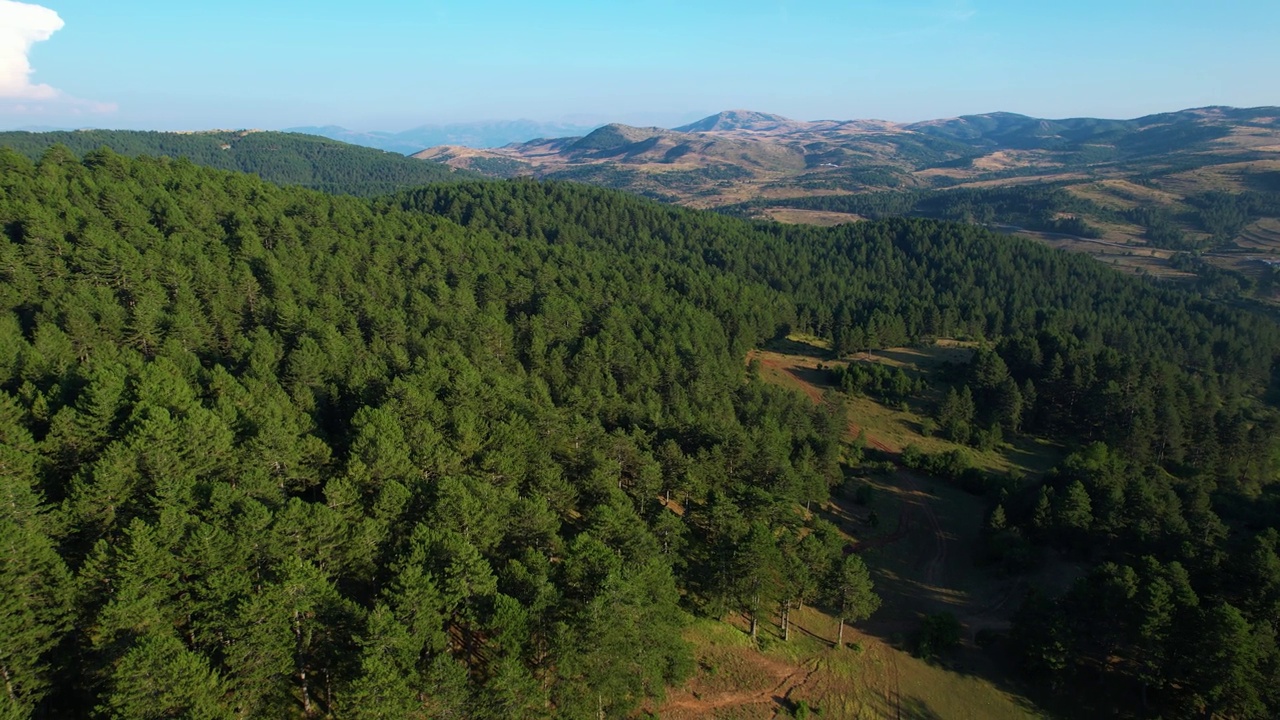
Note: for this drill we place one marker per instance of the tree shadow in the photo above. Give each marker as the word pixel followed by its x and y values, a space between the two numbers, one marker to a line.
pixel 904 707
pixel 813 376
pixel 1263 181
pixel 787 346
pixel 913 708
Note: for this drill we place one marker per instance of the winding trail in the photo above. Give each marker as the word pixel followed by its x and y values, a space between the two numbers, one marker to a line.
pixel 937 561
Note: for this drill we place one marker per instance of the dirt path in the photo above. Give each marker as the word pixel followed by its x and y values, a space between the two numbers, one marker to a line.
pixel 933 567
pixel 787 679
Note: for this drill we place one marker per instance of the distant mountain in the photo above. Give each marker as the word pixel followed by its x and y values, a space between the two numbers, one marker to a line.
pixel 649 161
pixel 473 134
pixel 283 158
pixel 740 120
pixel 739 155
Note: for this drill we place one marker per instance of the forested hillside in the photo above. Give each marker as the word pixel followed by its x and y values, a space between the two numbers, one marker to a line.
pixel 477 450
pixel 281 158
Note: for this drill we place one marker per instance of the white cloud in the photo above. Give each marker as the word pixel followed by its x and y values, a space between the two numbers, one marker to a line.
pixel 22 25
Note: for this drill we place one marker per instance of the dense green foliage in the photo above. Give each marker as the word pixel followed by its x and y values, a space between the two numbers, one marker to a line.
pixel 476 449
pixel 281 158
pixel 882 382
pixel 1171 382
pixel 270 449
pixel 1180 602
pixel 1223 215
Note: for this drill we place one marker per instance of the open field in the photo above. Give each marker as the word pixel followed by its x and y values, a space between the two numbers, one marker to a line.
pixel 1262 236
pixel 812 217
pixel 1122 194
pixel 869 678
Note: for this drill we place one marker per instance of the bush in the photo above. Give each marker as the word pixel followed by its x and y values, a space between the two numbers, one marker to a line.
pixel 913 457
pixel 928 427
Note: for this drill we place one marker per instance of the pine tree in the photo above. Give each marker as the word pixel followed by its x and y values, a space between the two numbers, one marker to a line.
pixel 852 593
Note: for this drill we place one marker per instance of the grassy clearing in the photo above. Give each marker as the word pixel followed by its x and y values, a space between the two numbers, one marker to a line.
pixel 874 676
pixel 793 216
pixel 869 678
pixel 794 363
pixel 927 567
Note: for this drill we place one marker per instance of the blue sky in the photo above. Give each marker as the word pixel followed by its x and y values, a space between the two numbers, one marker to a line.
pixel 388 64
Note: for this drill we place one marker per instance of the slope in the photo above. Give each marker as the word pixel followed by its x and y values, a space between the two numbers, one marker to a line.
pixel 284 158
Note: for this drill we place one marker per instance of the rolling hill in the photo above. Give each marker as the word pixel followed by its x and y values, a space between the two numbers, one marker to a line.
pixel 283 158
pixel 782 157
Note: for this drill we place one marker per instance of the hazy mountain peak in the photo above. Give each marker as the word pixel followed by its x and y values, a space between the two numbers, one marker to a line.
pixel 481 134
pixel 738 120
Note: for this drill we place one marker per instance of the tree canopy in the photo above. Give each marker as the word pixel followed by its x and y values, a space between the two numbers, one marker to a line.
pixel 479 448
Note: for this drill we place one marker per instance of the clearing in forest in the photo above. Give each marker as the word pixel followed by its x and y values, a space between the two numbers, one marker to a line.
pixel 922 558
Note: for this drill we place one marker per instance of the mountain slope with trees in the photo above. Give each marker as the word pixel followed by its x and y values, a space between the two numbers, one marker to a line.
pixel 282 158
pixel 476 449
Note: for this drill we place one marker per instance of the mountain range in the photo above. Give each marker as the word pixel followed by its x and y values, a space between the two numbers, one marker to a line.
pixel 1116 184
pixel 737 154
pixel 485 134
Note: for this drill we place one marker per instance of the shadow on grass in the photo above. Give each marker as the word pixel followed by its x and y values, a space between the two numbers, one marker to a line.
pixel 1031 456
pixel 929 568
pixel 813 376
pixel 924 359
pixel 787 346
pixel 1263 181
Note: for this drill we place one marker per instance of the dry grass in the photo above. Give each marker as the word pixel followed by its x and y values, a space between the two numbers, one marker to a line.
pixel 1262 236
pixel 1135 194
pixel 794 363
pixel 823 218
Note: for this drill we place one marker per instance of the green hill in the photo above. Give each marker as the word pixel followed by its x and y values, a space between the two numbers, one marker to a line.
pixel 283 158
pixel 479 449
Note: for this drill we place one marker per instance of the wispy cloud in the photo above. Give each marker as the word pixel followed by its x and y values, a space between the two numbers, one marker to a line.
pixel 22 25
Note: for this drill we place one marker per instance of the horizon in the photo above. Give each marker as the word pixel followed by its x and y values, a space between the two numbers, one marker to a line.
pixel 588 124
pixel 392 66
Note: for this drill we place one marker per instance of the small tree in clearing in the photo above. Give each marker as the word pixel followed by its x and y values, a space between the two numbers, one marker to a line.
pixel 853 593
